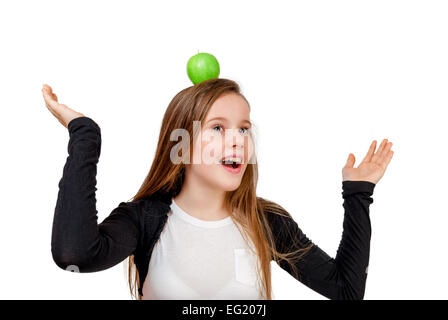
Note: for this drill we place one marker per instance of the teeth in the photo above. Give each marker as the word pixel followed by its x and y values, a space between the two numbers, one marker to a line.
pixel 231 160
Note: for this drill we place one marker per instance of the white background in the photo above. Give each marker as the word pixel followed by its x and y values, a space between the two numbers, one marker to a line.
pixel 324 78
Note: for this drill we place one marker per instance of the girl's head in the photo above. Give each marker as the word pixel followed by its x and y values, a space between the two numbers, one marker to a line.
pixel 225 134
pixel 203 124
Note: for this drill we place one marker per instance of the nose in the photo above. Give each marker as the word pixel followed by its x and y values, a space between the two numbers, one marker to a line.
pixel 233 139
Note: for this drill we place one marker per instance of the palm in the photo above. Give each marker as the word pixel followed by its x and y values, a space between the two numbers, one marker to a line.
pixel 373 165
pixel 63 113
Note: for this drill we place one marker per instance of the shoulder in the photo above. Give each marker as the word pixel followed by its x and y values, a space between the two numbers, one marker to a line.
pixel 287 234
pixel 153 213
pixel 147 214
pixel 278 218
pixel 283 226
pixel 147 206
pixel 155 205
pixel 273 212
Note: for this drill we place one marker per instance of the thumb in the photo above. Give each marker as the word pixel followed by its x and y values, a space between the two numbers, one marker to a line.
pixel 350 161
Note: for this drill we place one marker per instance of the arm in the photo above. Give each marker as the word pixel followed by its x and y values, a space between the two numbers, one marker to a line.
pixel 343 277
pixel 77 240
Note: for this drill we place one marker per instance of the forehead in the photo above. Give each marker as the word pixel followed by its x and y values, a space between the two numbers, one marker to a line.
pixel 230 106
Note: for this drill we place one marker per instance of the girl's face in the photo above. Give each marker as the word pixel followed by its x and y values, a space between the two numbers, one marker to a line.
pixel 224 135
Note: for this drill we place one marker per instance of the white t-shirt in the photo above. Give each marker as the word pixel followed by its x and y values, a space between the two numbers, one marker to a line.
pixel 199 259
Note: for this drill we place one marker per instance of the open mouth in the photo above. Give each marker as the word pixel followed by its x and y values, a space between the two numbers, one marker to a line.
pixel 232 165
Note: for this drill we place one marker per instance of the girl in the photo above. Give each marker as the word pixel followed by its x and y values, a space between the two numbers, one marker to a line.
pixel 195 229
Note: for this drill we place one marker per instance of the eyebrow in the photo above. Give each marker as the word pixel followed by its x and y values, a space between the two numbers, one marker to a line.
pixel 224 119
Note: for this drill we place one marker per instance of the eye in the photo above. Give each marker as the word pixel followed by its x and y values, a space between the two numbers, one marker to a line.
pixel 247 129
pixel 219 126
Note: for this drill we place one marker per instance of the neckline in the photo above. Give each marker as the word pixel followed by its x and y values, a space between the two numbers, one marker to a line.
pixel 179 212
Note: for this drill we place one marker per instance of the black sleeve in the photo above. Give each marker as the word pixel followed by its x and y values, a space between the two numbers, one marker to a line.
pixel 343 277
pixel 78 243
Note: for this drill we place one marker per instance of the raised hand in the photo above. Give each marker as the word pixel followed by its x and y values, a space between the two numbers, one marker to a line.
pixel 63 113
pixel 373 166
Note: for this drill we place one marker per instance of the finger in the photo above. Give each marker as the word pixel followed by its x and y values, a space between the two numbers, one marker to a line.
pixel 389 156
pixel 350 161
pixel 48 88
pixel 49 99
pixel 51 110
pixel 377 154
pixel 370 152
pixel 386 150
pixel 50 91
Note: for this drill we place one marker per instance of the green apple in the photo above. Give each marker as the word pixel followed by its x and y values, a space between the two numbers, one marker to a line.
pixel 201 67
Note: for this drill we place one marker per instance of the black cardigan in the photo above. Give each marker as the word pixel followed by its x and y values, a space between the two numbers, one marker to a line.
pixel 80 244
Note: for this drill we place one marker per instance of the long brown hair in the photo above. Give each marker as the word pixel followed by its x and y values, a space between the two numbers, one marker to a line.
pixel 248 210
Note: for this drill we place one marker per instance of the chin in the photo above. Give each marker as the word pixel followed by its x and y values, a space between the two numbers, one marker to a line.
pixel 230 186
pixel 228 182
